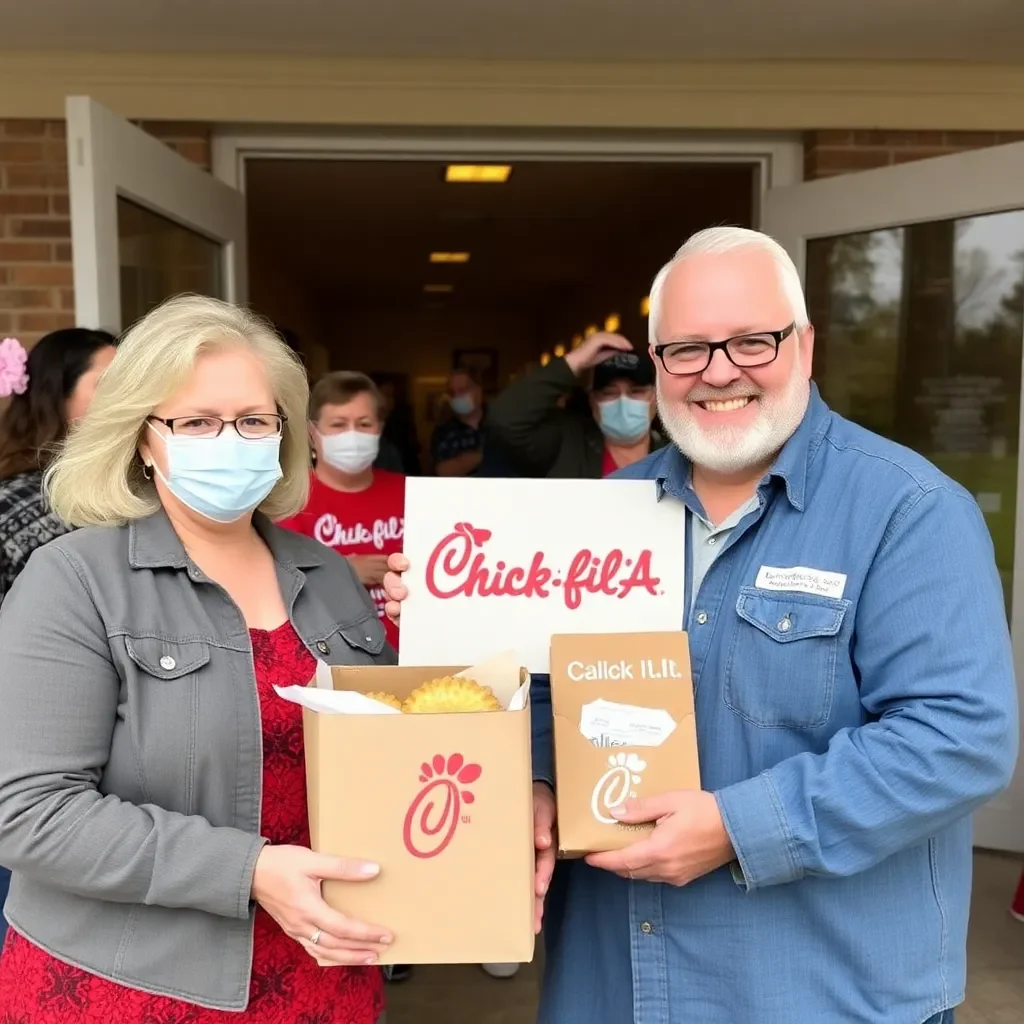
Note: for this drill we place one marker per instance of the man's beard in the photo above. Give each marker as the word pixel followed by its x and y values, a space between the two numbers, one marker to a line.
pixel 733 449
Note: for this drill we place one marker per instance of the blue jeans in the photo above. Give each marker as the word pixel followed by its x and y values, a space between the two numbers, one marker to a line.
pixel 945 1017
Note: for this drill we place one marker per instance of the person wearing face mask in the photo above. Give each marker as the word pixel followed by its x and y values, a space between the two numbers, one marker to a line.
pixel 545 439
pixel 354 507
pixel 457 444
pixel 152 783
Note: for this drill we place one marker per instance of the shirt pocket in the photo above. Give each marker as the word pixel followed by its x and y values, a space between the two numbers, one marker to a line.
pixel 781 668
pixel 363 642
pixel 163 716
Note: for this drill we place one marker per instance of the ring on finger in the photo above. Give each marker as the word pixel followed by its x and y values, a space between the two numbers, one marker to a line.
pixel 315 937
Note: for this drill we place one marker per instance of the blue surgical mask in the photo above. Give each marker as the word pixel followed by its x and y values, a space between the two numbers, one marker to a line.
pixel 624 420
pixel 223 477
pixel 462 405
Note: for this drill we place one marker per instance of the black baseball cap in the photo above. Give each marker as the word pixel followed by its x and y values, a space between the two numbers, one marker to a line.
pixel 638 369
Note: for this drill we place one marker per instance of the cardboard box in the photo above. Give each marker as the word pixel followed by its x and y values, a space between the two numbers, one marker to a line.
pixel 443 802
pixel 624 727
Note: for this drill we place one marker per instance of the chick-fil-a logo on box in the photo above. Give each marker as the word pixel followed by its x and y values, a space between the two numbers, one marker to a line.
pixel 436 812
pixel 459 566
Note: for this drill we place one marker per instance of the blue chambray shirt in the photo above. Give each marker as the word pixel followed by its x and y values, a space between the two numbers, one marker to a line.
pixel 848 740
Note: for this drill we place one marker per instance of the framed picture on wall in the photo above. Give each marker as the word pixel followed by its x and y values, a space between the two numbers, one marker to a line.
pixel 482 361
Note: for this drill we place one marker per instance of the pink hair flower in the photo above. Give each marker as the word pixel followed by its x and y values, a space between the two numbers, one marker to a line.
pixel 13 359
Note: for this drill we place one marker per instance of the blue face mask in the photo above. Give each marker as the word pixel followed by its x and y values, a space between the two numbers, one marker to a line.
pixel 624 420
pixel 223 477
pixel 462 405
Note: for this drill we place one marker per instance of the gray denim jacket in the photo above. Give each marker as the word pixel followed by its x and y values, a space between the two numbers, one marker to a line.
pixel 131 751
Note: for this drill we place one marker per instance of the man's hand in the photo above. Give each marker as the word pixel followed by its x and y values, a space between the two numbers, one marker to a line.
pixel 370 568
pixel 545 843
pixel 394 588
pixel 689 839
pixel 596 349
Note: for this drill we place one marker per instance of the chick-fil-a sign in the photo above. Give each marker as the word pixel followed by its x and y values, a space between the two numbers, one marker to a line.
pixel 496 564
pixel 459 565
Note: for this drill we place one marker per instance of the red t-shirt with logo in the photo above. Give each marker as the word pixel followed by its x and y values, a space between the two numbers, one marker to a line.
pixel 370 522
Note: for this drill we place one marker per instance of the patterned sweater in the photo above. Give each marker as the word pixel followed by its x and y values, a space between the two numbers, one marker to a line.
pixel 25 524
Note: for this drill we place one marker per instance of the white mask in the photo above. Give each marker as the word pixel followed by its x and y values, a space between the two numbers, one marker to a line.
pixel 351 451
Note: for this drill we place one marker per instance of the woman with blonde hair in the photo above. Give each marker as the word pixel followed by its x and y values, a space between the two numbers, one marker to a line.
pixel 152 784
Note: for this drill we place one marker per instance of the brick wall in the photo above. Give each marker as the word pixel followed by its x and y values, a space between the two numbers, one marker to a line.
pixel 840 152
pixel 36 289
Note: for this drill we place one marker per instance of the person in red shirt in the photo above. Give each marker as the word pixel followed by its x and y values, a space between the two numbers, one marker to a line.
pixel 355 509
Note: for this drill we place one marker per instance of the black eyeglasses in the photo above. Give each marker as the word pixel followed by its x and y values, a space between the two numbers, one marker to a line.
pixel 253 427
pixel 681 358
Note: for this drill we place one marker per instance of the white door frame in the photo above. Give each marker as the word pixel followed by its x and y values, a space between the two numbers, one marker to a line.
pixel 778 156
pixel 109 157
pixel 974 183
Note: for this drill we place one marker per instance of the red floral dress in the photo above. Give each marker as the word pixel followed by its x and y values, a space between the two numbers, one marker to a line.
pixel 287 985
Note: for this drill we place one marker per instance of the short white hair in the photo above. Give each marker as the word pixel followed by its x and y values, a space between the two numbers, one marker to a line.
pixel 718 240
pixel 98 479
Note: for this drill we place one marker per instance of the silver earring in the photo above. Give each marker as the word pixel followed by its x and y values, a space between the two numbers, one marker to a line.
pixel 147 471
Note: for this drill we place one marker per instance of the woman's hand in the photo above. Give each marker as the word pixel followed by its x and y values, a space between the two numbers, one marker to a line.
pixel 369 568
pixel 286 884
pixel 394 587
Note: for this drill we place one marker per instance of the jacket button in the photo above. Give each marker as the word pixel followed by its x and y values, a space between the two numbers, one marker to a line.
pixel 321 646
pixel 167 663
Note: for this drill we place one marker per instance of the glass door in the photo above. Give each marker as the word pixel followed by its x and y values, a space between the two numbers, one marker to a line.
pixel 146 223
pixel 915 284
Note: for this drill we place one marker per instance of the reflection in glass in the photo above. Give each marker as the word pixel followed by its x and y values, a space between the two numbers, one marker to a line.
pixel 159 258
pixel 919 334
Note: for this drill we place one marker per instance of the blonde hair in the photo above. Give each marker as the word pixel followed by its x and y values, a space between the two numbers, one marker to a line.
pixel 97 479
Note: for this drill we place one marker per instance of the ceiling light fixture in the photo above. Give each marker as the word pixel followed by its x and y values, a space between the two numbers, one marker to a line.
pixel 612 323
pixel 449 257
pixel 591 330
pixel 645 306
pixel 488 174
pixel 545 359
pixel 559 351
pixel 577 340
pixel 438 289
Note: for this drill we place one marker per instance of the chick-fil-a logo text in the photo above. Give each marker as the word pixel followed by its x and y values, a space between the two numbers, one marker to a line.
pixel 436 813
pixel 458 567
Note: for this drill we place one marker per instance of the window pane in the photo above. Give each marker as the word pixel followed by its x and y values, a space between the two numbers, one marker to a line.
pixel 919 335
pixel 160 258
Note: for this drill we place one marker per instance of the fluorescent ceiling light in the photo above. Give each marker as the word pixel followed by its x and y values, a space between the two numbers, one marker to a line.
pixel 449 257
pixel 478 173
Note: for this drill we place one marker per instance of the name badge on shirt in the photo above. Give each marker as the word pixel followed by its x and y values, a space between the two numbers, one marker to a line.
pixel 802 580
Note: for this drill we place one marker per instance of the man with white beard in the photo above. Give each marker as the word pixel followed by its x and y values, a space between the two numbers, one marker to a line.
pixel 854 690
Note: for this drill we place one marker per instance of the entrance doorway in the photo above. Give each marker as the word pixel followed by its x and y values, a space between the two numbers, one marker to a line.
pixel 401 274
